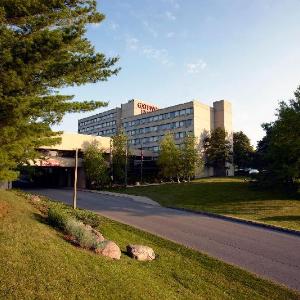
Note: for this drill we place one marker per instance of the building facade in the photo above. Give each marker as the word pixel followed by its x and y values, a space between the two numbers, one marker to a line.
pixel 145 124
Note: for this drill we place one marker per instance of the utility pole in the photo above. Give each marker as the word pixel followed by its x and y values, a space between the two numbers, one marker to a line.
pixel 126 162
pixel 142 159
pixel 75 179
pixel 111 160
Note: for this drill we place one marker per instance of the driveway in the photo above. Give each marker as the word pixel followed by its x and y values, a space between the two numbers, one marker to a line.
pixel 268 253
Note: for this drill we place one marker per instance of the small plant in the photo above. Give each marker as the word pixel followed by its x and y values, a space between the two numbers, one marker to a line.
pixel 87 217
pixel 84 236
pixel 57 218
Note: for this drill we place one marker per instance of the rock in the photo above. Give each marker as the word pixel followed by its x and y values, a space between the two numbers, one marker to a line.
pixel 140 252
pixel 35 198
pixel 99 237
pixel 109 249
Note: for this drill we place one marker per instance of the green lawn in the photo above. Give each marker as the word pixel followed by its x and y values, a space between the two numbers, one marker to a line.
pixel 37 263
pixel 227 196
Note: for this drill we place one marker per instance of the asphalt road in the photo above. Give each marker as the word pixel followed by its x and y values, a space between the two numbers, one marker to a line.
pixel 269 254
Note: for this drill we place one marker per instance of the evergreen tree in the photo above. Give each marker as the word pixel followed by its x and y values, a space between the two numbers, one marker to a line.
pixel 119 156
pixel 95 165
pixel 43 48
pixel 242 150
pixel 217 151
pixel 169 157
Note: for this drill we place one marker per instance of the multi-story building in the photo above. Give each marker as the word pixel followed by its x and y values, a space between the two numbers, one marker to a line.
pixel 146 124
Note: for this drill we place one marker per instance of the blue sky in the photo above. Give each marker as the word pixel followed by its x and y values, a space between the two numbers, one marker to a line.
pixel 173 51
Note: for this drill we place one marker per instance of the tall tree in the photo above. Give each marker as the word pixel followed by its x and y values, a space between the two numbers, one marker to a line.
pixel 190 157
pixel 169 157
pixel 43 48
pixel 218 151
pixel 242 150
pixel 279 150
pixel 95 165
pixel 119 156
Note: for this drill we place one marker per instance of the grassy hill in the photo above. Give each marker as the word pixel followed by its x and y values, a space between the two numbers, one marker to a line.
pixel 36 262
pixel 227 196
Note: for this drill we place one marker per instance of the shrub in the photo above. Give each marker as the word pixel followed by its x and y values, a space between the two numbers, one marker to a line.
pixel 57 218
pixel 87 217
pixel 82 234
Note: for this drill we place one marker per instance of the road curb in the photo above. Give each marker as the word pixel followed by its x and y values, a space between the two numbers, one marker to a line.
pixel 237 220
pixel 140 199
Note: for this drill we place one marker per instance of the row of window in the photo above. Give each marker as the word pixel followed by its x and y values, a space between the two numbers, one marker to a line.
pixel 153 139
pixel 157 148
pixel 165 116
pixel 163 127
pixel 102 125
pixel 103 132
pixel 98 119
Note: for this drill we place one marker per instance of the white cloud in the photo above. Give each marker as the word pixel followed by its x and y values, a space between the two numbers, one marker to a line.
pixel 114 26
pixel 173 3
pixel 160 55
pixel 170 34
pixel 170 16
pixel 196 67
pixel 132 43
pixel 150 29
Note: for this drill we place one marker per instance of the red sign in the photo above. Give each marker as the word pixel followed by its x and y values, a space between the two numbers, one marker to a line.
pixel 145 108
pixel 50 163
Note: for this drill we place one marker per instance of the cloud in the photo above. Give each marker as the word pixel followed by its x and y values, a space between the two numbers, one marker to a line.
pixel 170 34
pixel 114 26
pixel 197 67
pixel 150 29
pixel 170 16
pixel 160 55
pixel 132 43
pixel 173 3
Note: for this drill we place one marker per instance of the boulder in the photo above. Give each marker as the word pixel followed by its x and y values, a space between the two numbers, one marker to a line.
pixel 109 249
pixel 35 198
pixel 140 252
pixel 99 237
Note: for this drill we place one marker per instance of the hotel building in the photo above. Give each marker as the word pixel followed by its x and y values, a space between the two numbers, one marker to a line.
pixel 145 124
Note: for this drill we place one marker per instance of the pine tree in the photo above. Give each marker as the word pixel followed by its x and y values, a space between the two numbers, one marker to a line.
pixel 43 48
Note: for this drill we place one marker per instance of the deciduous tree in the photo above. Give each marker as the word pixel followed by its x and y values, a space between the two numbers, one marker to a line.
pixel 169 157
pixel 279 150
pixel 95 165
pixel 119 156
pixel 189 157
pixel 242 150
pixel 218 151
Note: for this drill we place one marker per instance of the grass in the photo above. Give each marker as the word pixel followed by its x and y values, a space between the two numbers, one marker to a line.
pixel 36 262
pixel 227 196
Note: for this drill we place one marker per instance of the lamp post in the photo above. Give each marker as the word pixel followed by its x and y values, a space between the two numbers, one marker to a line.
pixel 75 180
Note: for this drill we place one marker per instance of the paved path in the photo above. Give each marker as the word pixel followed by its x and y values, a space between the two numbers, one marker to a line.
pixel 270 254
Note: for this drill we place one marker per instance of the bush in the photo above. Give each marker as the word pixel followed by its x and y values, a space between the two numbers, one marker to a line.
pixel 57 218
pixel 81 233
pixel 87 217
